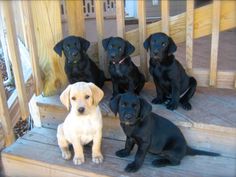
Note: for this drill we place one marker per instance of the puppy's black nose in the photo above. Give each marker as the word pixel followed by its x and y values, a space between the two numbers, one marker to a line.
pixel 74 53
pixel 128 116
pixel 81 109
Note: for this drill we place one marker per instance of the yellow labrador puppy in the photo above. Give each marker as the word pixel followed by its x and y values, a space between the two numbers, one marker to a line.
pixel 83 124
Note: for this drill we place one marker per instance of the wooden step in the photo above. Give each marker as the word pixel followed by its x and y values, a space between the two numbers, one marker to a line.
pixel 37 155
pixel 210 125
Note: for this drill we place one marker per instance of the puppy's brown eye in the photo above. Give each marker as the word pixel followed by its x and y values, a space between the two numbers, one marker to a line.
pixel 73 98
pixel 87 97
pixel 163 44
pixel 124 104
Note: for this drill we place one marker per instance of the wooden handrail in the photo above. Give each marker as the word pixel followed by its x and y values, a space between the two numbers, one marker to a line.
pixel 15 57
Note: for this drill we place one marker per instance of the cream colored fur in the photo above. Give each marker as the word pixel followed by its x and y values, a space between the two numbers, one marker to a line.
pixel 78 128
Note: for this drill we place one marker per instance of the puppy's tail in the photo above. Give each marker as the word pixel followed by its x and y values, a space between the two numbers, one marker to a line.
pixel 191 151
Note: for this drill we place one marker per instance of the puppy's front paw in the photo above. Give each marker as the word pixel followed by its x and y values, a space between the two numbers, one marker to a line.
pixel 158 100
pixel 97 159
pixel 172 105
pixel 78 160
pixel 66 155
pixel 122 153
pixel 132 167
pixel 187 106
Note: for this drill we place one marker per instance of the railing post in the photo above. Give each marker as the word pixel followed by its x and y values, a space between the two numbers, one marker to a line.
pixel 142 35
pixel 214 41
pixel 4 115
pixel 165 16
pixel 189 34
pixel 15 57
pixel 100 34
pixel 33 51
pixel 75 17
pixel 120 18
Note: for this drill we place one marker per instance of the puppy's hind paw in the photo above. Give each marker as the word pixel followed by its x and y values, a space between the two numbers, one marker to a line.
pixel 66 155
pixel 187 106
pixel 97 159
pixel 132 167
pixel 78 160
pixel 122 153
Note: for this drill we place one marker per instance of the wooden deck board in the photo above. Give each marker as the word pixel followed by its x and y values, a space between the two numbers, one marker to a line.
pixel 40 153
pixel 214 108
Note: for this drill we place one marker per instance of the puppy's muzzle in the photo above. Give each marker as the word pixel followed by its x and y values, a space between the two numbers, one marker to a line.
pixel 81 110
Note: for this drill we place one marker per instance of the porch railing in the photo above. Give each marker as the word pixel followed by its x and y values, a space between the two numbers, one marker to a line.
pixel 194 23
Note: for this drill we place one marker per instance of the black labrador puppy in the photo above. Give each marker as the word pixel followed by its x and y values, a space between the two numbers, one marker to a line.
pixel 171 81
pixel 78 65
pixel 151 132
pixel 125 75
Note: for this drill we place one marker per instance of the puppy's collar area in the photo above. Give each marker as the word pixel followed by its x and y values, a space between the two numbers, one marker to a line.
pixel 133 123
pixel 120 62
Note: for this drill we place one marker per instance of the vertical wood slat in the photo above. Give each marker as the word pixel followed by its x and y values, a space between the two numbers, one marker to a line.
pixel 5 116
pixel 75 17
pixel 15 57
pixel 100 34
pixel 120 18
pixel 189 34
pixel 142 35
pixel 165 16
pixel 214 41
pixel 33 51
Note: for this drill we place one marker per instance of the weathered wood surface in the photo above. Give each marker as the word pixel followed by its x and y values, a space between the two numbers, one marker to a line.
pixel 39 155
pixel 210 110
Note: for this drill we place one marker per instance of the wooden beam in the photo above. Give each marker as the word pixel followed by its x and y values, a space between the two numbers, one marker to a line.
pixel 48 31
pixel 75 18
pixel 214 41
pixel 100 34
pixel 189 34
pixel 165 16
pixel 5 116
pixel 142 35
pixel 120 18
pixel 15 57
pixel 202 24
pixel 33 51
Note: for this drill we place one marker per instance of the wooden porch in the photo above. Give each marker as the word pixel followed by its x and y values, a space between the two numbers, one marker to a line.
pixel 210 125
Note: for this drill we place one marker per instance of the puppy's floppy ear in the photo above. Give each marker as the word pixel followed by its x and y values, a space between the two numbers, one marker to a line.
pixel 145 108
pixel 105 42
pixel 129 48
pixel 59 47
pixel 172 46
pixel 65 97
pixel 97 93
pixel 114 104
pixel 84 43
pixel 146 43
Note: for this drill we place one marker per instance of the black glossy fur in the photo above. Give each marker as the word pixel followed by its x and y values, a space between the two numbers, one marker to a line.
pixel 151 132
pixel 171 81
pixel 125 75
pixel 78 65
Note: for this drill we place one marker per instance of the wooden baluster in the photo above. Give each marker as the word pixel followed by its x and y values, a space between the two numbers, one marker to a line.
pixel 15 57
pixel 165 16
pixel 120 18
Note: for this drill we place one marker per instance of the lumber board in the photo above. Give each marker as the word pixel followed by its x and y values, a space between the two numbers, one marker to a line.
pixel 120 18
pixel 48 31
pixel 189 34
pixel 75 18
pixel 15 57
pixel 165 16
pixel 47 156
pixel 214 41
pixel 202 24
